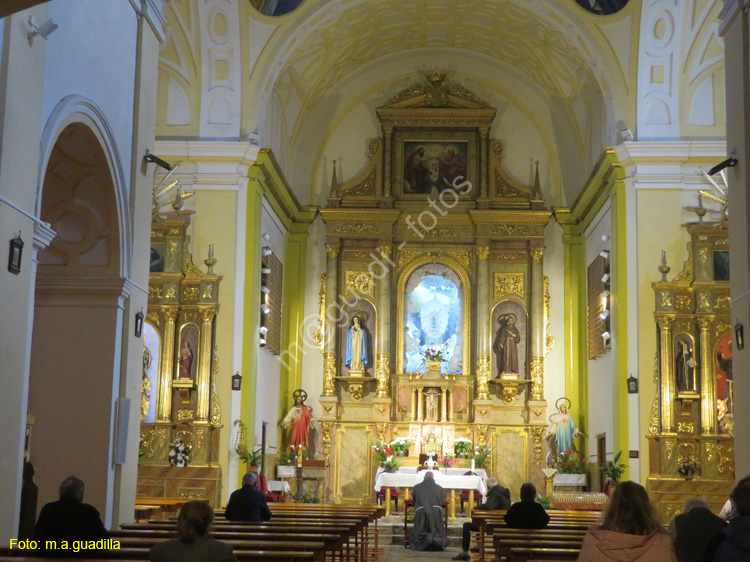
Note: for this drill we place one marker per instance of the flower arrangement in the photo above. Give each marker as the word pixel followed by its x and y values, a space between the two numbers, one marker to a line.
pixel 614 469
pixel 382 452
pixel 569 462
pixel 482 456
pixel 447 461
pixel 687 468
pixel 290 456
pixel 434 354
pixel 400 446
pixel 390 464
pixel 179 453
pixel 462 447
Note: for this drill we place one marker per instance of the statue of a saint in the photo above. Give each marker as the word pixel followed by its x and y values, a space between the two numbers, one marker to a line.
pixel 431 398
pixel 145 383
pixel 299 417
pixel 186 360
pixel 561 429
pixel 684 367
pixel 506 344
pixel 356 347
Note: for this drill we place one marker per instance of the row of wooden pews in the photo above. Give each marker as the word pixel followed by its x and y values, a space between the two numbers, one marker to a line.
pixel 560 541
pixel 296 533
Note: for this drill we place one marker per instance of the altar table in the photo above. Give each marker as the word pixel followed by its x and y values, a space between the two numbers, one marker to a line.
pixel 450 482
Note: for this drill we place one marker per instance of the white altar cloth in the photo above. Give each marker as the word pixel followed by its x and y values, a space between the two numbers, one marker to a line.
pixel 447 481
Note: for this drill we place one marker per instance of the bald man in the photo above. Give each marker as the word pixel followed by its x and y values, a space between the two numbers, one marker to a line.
pixel 248 503
pixel 428 532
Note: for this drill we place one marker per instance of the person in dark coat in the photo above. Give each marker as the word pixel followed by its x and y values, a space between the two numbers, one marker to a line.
pixel 527 514
pixel 693 530
pixel 428 532
pixel 497 498
pixel 248 503
pixel 68 519
pixel 732 543
pixel 193 543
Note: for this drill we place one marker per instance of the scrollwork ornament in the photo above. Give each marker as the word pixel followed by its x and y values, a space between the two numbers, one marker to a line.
pixel 483 253
pixel 537 378
pixel 382 373
pixel 381 428
pixel 537 433
pixel 327 428
pixel 329 374
pixel 510 284
pixel 482 434
pixel 385 251
pixel 356 391
pixel 653 418
pixel 483 377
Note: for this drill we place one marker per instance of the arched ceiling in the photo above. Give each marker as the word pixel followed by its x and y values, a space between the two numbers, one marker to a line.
pixel 557 48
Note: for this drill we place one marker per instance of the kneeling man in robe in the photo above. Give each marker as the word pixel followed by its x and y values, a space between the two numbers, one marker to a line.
pixel 428 532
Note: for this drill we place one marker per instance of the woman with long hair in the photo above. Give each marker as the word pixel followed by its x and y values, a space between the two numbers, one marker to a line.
pixel 193 543
pixel 631 530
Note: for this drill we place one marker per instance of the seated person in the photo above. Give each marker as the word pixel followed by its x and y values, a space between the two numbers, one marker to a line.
pixel 428 532
pixel 193 543
pixel 693 530
pixel 497 498
pixel 248 503
pixel 69 519
pixel 527 514
pixel 732 543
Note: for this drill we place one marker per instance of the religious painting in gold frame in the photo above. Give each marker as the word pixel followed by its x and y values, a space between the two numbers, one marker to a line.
pixel 501 314
pixel 460 362
pixel 429 162
pixel 363 309
pixel 187 354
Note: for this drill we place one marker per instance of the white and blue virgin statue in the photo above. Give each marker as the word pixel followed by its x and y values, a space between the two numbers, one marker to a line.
pixel 356 348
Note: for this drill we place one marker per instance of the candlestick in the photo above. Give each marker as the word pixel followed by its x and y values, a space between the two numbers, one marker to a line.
pixel 473 462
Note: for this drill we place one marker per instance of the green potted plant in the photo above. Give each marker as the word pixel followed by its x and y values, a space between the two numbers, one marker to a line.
pixel 482 456
pixel 614 469
pixel 252 458
pixel 400 446
pixel 462 447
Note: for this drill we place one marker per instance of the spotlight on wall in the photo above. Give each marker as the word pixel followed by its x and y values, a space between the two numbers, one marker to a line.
pixel 728 163
pixel 265 270
pixel 265 289
pixel 263 330
pixel 605 237
pixel 604 254
pixel 606 336
pixel 605 278
pixel 604 315
pixel 266 236
pixel 266 251
pixel 148 157
pixel 264 308
pixel 262 342
pixel 43 31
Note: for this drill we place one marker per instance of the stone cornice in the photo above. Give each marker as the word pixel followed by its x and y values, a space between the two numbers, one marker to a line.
pixel 730 11
pixel 82 292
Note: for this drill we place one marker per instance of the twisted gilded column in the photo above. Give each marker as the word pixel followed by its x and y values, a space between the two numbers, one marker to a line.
pixel 667 379
pixel 203 407
pixel 329 355
pixel 483 320
pixel 383 366
pixel 708 384
pixel 164 412
pixel 537 323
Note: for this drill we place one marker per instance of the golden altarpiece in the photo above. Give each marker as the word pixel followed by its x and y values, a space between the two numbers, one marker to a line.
pixel 433 246
pixel 178 394
pixel 692 415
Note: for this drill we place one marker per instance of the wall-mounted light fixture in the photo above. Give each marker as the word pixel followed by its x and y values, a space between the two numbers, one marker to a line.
pixel 266 251
pixel 15 255
pixel 739 335
pixel 237 381
pixel 265 270
pixel 263 330
pixel 604 315
pixel 148 157
pixel 43 31
pixel 139 323
pixel 264 308
pixel 265 289
pixel 605 278
pixel 606 336
pixel 632 385
pixel 604 254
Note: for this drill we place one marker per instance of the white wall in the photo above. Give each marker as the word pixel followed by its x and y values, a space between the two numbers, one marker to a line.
pixel 600 389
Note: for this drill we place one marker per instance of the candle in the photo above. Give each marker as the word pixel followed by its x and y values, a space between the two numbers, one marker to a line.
pixel 210 250
pixel 472 464
pixel 663 256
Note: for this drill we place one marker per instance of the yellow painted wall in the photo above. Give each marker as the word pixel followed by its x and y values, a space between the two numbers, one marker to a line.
pixel 214 223
pixel 659 216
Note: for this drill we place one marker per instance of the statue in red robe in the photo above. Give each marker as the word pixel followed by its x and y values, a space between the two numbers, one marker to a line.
pixel 299 418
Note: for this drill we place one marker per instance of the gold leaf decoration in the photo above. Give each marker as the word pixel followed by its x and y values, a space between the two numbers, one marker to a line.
pixel 510 284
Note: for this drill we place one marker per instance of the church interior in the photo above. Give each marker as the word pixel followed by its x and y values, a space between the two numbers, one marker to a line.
pixel 336 241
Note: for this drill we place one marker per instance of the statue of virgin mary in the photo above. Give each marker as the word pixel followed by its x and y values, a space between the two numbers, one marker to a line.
pixel 356 348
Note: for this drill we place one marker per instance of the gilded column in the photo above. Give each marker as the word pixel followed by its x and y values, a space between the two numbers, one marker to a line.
pixel 483 137
pixel 450 405
pixel 329 355
pixel 667 380
pixel 483 310
pixel 444 405
pixel 383 367
pixel 167 361
pixel 414 404
pixel 420 405
pixel 388 137
pixel 537 323
pixel 203 407
pixel 708 384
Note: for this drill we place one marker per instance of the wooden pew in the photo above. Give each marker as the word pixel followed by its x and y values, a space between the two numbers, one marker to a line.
pixel 139 556
pixel 549 554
